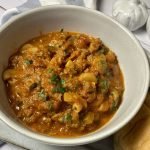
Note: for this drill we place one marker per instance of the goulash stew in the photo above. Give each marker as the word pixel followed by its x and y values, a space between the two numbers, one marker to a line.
pixel 64 84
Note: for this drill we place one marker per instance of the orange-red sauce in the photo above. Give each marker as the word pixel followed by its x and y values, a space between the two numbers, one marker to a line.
pixel 64 84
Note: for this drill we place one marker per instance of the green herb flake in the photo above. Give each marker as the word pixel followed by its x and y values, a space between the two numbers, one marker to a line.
pixel 51 48
pixel 50 70
pixel 104 85
pixel 33 86
pixel 104 65
pixel 115 100
pixel 59 89
pixel 67 118
pixel 115 95
pixel 28 62
pixel 51 106
pixel 114 106
pixel 62 81
pixel 54 79
pixel 42 94
pixel 102 50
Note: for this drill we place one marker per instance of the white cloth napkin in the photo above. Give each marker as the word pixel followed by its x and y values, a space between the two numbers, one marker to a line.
pixel 36 3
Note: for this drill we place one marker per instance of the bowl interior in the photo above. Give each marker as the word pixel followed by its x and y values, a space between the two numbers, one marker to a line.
pixel 131 58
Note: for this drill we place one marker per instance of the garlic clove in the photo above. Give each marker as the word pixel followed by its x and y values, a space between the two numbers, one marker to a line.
pixel 147 3
pixel 131 13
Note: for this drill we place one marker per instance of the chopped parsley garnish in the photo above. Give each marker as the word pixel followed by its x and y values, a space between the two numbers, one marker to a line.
pixel 104 65
pixel 62 81
pixel 54 79
pixel 50 70
pixel 115 102
pixel 114 106
pixel 104 85
pixel 67 118
pixel 103 50
pixel 58 82
pixel 28 62
pixel 51 106
pixel 42 94
pixel 58 89
pixel 51 48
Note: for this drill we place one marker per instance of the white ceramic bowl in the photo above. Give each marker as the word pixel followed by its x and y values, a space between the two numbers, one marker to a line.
pixel 132 60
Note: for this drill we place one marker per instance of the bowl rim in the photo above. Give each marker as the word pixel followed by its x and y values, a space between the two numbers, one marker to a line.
pixel 81 139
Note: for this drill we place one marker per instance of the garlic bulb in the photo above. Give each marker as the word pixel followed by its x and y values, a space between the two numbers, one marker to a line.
pixel 131 13
pixel 148 26
pixel 147 3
